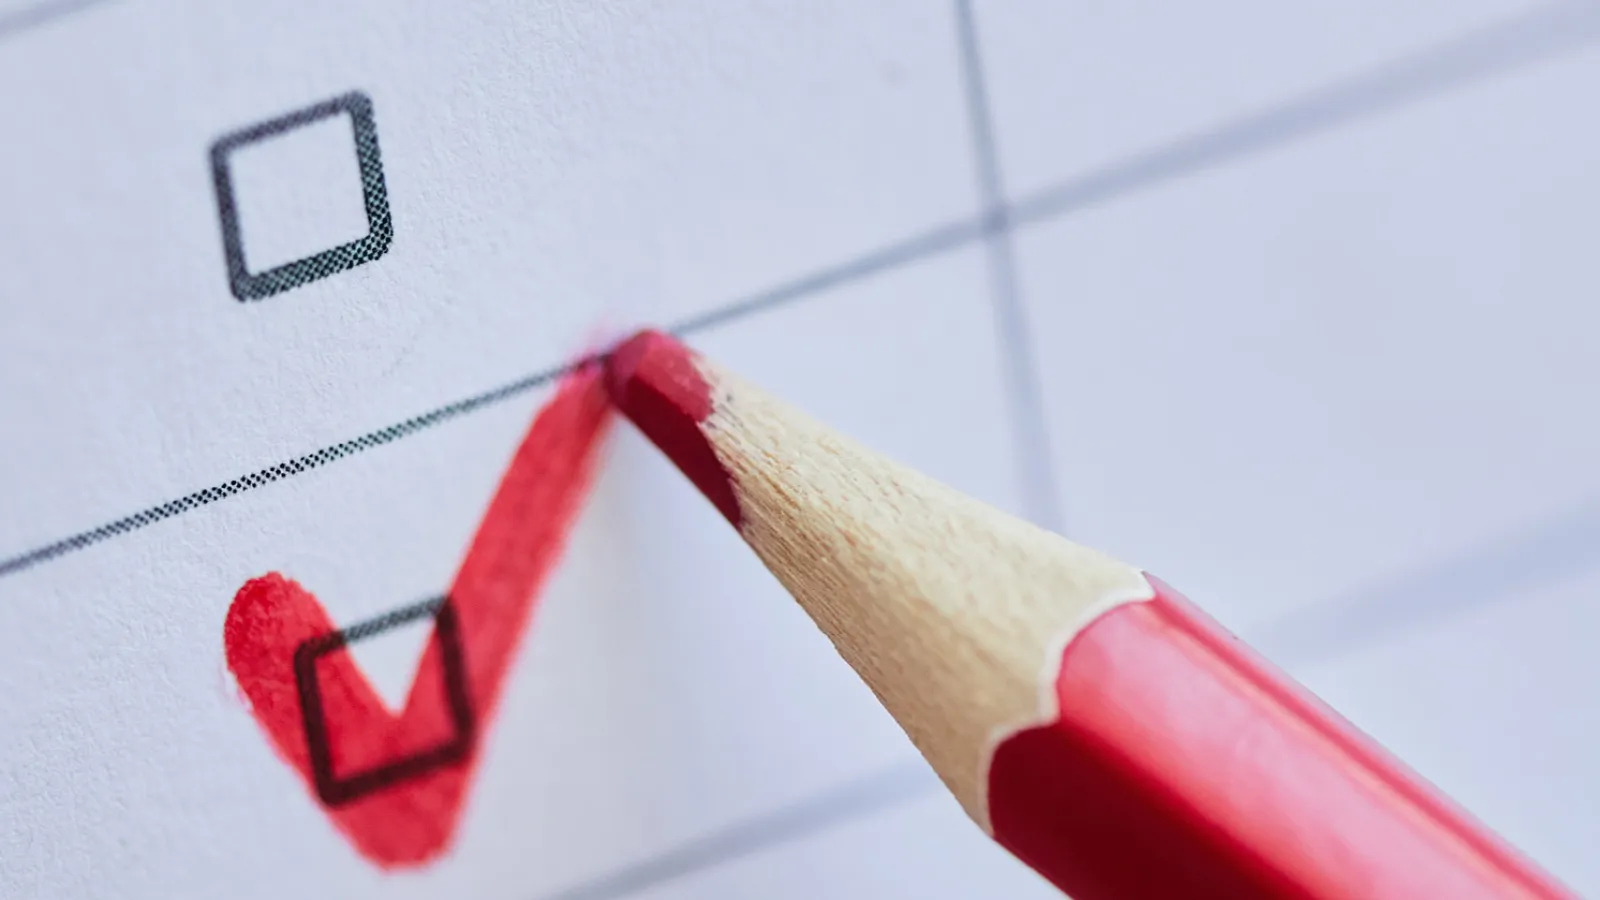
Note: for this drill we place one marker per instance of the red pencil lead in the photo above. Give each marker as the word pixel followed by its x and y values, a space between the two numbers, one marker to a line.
pixel 653 380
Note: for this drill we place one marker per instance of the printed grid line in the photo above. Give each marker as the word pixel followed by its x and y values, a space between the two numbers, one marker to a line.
pixel 884 790
pixel 1039 494
pixel 270 474
pixel 1534 37
pixel 860 797
pixel 28 18
pixel 1490 51
pixel 1550 548
pixel 1493 50
pixel 1555 548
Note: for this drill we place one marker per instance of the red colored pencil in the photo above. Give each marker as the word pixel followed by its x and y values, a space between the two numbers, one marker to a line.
pixel 1086 716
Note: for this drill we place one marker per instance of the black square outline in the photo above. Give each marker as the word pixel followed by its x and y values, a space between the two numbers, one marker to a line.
pixel 380 228
pixel 335 790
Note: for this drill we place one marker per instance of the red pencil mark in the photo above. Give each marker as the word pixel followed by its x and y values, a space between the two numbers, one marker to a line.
pixel 410 820
pixel 653 381
pixel 1183 765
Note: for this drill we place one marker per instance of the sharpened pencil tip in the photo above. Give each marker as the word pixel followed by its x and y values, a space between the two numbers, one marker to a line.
pixel 654 381
pixel 625 358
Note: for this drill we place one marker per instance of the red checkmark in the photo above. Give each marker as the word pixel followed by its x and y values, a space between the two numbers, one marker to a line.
pixel 409 818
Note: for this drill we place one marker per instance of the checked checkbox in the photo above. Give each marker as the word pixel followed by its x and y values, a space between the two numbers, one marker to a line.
pixel 337 788
pixel 394 781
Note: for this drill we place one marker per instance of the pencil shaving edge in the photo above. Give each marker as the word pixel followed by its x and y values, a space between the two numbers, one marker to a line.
pixel 904 576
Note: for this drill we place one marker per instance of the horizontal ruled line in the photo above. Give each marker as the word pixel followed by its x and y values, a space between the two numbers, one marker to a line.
pixel 1512 45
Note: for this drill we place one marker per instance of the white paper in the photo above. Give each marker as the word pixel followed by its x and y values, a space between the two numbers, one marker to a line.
pixel 1304 298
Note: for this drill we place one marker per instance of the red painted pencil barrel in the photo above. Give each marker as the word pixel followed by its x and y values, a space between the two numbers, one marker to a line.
pixel 1184 765
pixel 1163 758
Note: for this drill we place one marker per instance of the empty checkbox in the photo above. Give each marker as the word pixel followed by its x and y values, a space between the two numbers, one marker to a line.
pixel 301 196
